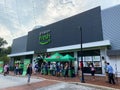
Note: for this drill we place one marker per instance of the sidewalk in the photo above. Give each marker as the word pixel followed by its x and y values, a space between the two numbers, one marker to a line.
pixel 32 86
pixel 99 80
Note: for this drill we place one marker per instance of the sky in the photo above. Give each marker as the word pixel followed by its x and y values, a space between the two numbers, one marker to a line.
pixel 18 17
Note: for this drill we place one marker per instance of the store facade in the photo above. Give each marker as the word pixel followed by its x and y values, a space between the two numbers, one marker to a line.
pixel 64 37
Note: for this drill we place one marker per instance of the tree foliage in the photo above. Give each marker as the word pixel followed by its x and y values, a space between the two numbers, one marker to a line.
pixel 5 58
pixel 4 51
pixel 2 42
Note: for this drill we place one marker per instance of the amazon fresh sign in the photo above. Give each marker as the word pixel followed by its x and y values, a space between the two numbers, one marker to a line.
pixel 44 37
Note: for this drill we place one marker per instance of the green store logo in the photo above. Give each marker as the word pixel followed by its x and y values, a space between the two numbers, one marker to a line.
pixel 44 37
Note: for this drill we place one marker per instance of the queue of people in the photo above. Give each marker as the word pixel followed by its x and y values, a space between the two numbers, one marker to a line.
pixel 60 69
pixel 57 69
pixel 18 69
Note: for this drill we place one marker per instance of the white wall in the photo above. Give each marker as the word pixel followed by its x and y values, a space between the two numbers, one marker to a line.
pixel 115 63
pixel 113 60
pixel 76 63
pixel 103 54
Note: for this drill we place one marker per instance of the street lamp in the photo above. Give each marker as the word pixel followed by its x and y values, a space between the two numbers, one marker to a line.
pixel 82 68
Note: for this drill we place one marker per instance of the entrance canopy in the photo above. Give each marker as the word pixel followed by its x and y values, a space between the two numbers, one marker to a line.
pixel 21 54
pixel 58 57
pixel 67 57
pixel 54 58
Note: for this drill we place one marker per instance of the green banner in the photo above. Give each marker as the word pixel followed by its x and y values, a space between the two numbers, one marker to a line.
pixel 26 62
pixel 1 66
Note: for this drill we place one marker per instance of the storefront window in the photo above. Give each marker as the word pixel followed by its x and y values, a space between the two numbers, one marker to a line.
pixel 87 60
pixel 96 61
pixel 89 57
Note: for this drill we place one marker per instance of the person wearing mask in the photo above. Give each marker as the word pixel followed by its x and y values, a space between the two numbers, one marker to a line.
pixel 29 72
pixel 110 74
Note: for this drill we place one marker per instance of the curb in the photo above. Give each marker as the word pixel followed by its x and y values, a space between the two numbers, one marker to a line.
pixel 95 86
pixel 87 84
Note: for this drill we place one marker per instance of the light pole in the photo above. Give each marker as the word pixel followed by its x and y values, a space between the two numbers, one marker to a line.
pixel 81 52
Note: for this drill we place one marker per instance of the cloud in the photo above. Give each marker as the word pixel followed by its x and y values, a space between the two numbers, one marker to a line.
pixel 6 34
pixel 18 17
pixel 59 9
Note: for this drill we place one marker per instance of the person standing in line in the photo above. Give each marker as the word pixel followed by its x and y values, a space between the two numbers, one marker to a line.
pixel 106 71
pixel 51 69
pixel 16 69
pixel 29 72
pixel 41 68
pixel 80 69
pixel 5 69
pixel 57 69
pixel 36 68
pixel 110 74
pixel 66 70
pixel 92 71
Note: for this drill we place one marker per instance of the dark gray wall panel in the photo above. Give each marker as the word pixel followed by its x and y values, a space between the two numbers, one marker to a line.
pixel 66 32
pixel 19 44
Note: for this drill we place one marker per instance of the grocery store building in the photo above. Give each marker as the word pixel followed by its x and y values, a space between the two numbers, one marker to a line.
pixel 100 39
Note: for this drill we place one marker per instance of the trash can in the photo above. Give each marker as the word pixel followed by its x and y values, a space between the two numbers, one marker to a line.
pixel 44 71
pixel 48 71
pixel 73 73
pixel 53 73
pixel 63 72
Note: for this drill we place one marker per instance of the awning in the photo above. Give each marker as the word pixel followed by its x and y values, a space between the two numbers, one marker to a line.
pixel 113 52
pixel 67 57
pixel 21 54
pixel 77 46
pixel 54 58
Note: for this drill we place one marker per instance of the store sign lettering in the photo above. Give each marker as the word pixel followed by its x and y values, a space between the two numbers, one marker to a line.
pixel 45 37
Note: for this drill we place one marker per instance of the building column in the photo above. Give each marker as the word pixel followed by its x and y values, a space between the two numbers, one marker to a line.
pixel 76 62
pixel 103 52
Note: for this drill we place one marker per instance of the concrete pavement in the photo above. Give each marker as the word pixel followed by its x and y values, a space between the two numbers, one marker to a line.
pixel 10 81
pixel 68 86
pixel 20 83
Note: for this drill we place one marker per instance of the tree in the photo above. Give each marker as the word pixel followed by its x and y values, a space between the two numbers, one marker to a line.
pixel 8 50
pixel 4 51
pixel 2 42
pixel 5 58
